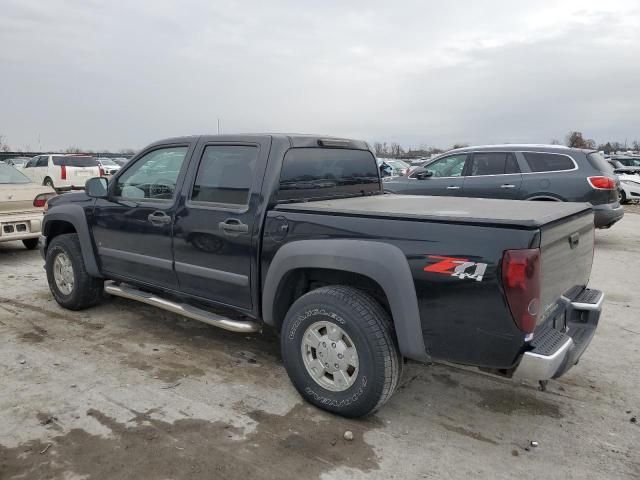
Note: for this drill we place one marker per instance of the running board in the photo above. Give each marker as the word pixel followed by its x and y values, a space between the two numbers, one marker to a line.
pixel 182 309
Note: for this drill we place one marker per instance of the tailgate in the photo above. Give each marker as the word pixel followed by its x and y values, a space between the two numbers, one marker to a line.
pixel 566 248
pixel 79 175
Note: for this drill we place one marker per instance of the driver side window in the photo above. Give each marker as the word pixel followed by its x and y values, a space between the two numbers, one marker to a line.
pixel 451 166
pixel 153 176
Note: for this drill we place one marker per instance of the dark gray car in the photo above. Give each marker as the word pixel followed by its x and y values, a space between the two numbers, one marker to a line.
pixel 519 172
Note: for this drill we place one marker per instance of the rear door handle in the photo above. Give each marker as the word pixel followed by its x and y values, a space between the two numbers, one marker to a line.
pixel 159 218
pixel 233 226
pixel 452 187
pixel 507 185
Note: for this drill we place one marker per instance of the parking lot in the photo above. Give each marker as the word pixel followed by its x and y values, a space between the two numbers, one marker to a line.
pixel 127 391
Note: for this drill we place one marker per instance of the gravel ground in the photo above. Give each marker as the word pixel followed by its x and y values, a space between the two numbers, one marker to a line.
pixel 129 392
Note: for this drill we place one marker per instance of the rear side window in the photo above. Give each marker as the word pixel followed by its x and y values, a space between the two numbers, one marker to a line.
pixel 548 162
pixel 225 174
pixel 74 161
pixel 600 163
pixel 493 163
pixel 327 172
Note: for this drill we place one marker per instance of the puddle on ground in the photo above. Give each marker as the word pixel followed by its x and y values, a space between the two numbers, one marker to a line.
pixel 509 401
pixel 304 443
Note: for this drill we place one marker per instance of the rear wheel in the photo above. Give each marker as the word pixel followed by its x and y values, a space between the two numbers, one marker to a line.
pixel 340 352
pixel 623 197
pixel 30 243
pixel 69 282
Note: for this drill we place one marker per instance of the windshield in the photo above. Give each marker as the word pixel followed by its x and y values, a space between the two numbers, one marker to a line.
pixel 8 174
pixel 107 161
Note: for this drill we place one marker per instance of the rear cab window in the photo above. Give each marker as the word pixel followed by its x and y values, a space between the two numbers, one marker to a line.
pixel 548 162
pixel 317 173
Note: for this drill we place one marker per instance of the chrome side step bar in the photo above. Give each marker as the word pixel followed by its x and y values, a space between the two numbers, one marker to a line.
pixel 184 309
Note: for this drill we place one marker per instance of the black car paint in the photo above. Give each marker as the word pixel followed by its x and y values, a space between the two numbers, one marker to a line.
pixel 450 327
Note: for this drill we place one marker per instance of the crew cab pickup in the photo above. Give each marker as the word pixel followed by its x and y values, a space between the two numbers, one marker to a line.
pixel 294 233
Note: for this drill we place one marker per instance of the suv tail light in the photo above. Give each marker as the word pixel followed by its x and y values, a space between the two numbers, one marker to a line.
pixel 41 200
pixel 521 281
pixel 63 172
pixel 102 174
pixel 602 183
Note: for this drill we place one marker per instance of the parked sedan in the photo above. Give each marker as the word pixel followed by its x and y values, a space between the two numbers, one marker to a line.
pixel 629 188
pixel 21 207
pixel 519 172
pixel 109 167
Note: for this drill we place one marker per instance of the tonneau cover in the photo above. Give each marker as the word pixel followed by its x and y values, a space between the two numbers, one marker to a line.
pixel 513 213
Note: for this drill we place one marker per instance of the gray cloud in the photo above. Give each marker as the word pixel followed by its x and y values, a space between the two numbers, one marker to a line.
pixel 120 74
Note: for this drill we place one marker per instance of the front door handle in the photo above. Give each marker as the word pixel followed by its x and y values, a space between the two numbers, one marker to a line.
pixel 233 226
pixel 159 218
pixel 507 185
pixel 453 187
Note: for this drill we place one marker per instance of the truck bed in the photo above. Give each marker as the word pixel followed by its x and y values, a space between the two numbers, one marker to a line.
pixel 480 211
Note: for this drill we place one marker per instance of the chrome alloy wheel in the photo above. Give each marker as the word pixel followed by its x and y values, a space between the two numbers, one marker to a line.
pixel 63 273
pixel 330 356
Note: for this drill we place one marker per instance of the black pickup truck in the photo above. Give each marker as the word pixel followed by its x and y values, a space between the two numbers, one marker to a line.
pixel 294 232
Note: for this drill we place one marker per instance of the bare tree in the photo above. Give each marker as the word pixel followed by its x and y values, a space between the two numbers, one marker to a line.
pixel 636 146
pixel 554 141
pixel 72 149
pixel 4 146
pixel 459 145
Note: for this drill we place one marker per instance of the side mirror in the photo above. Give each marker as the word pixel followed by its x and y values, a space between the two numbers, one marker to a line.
pixel 421 173
pixel 96 187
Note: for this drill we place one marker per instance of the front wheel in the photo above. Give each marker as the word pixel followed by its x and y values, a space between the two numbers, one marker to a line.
pixel 339 350
pixel 69 282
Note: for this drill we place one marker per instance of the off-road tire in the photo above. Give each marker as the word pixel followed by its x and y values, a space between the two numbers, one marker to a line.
pixel 369 327
pixel 30 243
pixel 87 290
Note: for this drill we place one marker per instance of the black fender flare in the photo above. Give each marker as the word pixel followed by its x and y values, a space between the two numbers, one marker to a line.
pixel 381 262
pixel 74 214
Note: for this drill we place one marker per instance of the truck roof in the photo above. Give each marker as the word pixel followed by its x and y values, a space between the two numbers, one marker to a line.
pixel 294 139
pixel 482 211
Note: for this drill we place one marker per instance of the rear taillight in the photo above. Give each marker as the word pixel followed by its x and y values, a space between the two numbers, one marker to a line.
pixel 102 174
pixel 41 200
pixel 521 281
pixel 602 183
pixel 63 172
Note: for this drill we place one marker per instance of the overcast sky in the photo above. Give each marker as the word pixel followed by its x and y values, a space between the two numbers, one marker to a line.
pixel 118 74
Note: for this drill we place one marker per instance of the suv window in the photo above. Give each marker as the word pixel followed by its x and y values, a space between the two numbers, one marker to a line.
pixel 450 166
pixel 321 172
pixel 74 161
pixel 548 162
pixel 600 163
pixel 225 174
pixel 493 163
pixel 42 162
pixel 154 176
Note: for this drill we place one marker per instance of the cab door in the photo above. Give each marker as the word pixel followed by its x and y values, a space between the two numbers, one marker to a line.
pixel 492 175
pixel 133 226
pixel 217 226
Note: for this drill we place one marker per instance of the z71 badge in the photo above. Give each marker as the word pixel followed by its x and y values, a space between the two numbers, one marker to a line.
pixel 456 267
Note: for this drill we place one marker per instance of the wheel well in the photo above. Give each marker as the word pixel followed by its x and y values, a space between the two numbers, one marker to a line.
pixel 58 227
pixel 300 281
pixel 544 199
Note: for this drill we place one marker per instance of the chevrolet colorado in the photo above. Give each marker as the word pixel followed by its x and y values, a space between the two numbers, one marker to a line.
pixel 294 233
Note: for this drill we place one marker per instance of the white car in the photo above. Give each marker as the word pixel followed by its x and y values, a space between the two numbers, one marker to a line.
pixel 109 166
pixel 22 205
pixel 629 188
pixel 62 172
